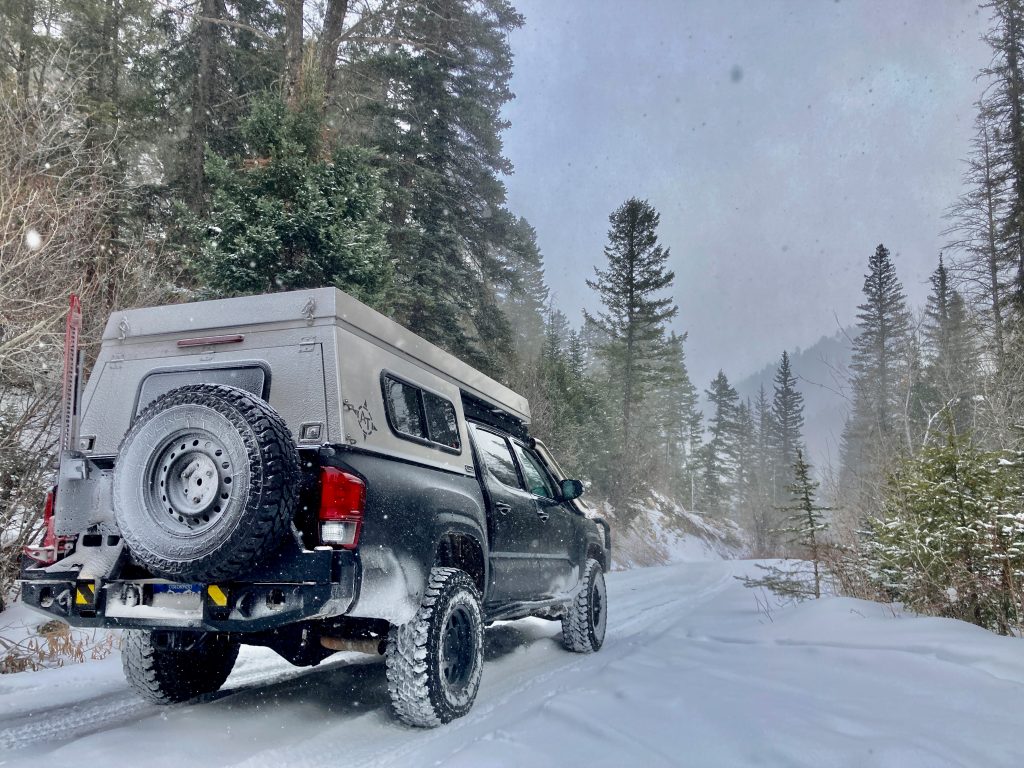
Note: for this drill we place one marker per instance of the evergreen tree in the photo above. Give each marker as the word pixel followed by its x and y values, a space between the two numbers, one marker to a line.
pixel 677 410
pixel 950 539
pixel 879 351
pixel 761 522
pixel 880 376
pixel 721 450
pixel 526 297
pixel 787 423
pixel 951 362
pixel 746 479
pixel 984 266
pixel 294 220
pixel 565 403
pixel 1003 106
pixel 804 526
pixel 633 321
pixel 437 122
pixel 634 315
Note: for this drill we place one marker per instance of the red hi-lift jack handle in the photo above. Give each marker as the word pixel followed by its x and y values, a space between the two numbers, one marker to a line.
pixel 70 380
pixel 54 547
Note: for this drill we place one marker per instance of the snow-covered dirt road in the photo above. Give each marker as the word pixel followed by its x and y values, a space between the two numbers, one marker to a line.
pixel 693 673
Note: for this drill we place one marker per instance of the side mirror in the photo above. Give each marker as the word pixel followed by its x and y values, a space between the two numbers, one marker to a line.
pixel 571 489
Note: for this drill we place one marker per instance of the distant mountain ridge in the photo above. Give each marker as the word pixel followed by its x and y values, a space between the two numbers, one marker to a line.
pixel 821 371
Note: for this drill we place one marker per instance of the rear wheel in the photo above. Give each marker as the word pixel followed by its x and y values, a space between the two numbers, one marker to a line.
pixel 171 667
pixel 586 618
pixel 434 662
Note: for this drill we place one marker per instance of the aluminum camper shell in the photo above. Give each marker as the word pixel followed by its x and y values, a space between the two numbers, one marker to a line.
pixel 317 356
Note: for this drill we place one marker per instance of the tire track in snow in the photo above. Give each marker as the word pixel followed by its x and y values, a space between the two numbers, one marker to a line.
pixel 61 724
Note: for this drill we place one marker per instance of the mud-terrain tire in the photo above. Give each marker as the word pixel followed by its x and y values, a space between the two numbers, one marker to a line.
pixel 165 675
pixel 176 526
pixel 586 618
pixel 434 662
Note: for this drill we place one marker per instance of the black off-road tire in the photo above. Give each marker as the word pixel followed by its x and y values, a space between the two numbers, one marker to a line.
pixel 586 618
pixel 241 446
pixel 166 675
pixel 430 680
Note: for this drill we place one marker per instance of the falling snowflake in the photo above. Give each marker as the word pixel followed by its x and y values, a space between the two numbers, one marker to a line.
pixel 33 240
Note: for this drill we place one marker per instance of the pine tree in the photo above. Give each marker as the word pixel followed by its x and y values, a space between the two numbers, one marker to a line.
pixel 633 321
pixel 720 452
pixel 526 298
pixel 950 540
pixel 297 220
pixel 804 526
pixel 951 362
pixel 880 377
pixel 746 479
pixel 437 123
pixel 634 315
pixel 677 410
pixel 765 466
pixel 564 402
pixel 1003 105
pixel 787 423
pixel 984 267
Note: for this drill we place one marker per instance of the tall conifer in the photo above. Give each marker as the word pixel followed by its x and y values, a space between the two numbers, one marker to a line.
pixel 633 320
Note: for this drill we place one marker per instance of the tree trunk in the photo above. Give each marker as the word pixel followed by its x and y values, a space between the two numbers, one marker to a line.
pixel 201 101
pixel 292 51
pixel 334 21
pixel 114 56
pixel 26 40
pixel 992 244
pixel 6 37
pixel 1015 97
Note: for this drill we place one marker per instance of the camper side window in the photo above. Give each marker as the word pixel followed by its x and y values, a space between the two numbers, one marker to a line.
pixel 421 416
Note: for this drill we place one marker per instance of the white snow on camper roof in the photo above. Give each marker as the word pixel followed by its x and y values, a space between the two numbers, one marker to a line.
pixel 320 306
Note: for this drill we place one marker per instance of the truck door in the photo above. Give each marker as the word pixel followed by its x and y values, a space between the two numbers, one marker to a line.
pixel 554 540
pixel 511 520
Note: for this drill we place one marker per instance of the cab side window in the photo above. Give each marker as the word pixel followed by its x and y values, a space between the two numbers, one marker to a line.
pixel 497 458
pixel 537 480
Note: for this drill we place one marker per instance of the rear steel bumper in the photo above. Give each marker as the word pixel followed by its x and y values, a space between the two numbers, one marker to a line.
pixel 304 585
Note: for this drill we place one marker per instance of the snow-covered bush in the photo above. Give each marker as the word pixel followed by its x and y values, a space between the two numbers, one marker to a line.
pixel 950 540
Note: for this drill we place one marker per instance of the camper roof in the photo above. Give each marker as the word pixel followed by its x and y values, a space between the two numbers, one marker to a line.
pixel 316 307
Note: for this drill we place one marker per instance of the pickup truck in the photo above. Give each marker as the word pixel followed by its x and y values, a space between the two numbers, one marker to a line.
pixel 300 472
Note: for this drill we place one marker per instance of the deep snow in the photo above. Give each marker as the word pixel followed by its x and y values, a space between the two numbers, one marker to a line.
pixel 694 672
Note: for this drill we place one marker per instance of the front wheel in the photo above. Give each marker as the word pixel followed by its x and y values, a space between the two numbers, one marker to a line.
pixel 586 617
pixel 434 662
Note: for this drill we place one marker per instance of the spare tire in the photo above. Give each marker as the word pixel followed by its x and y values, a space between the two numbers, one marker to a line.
pixel 205 484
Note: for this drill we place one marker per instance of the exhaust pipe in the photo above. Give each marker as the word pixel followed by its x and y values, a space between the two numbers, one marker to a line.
pixel 372 646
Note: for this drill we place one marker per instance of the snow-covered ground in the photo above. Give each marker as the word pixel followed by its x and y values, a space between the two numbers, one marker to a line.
pixel 694 672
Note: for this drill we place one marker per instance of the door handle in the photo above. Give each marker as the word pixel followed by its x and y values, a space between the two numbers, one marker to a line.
pixel 503 508
pixel 543 515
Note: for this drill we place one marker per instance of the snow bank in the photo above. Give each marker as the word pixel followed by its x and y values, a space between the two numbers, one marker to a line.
pixel 665 532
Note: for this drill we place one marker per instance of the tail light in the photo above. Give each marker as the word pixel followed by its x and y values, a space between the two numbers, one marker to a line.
pixel 342 503
pixel 54 547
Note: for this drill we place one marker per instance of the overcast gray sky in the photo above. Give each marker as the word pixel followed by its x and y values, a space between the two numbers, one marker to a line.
pixel 781 142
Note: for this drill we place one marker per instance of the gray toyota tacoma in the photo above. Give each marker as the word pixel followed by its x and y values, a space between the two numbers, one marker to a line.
pixel 297 471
